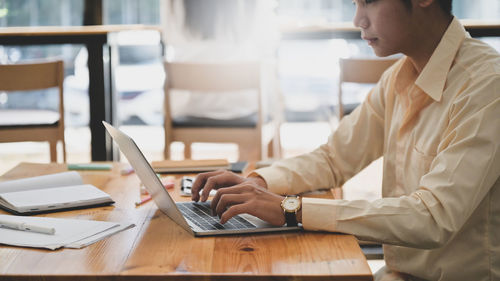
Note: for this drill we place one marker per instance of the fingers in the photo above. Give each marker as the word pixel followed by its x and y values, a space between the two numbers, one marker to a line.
pixel 228 200
pixel 248 198
pixel 235 210
pixel 200 182
pixel 237 189
pixel 213 180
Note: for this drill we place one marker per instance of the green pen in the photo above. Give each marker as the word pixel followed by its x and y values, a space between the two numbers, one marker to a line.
pixel 90 166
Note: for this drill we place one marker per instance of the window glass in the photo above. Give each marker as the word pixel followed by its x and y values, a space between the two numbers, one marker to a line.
pixel 324 11
pixel 40 12
pixel 131 11
pixel 309 67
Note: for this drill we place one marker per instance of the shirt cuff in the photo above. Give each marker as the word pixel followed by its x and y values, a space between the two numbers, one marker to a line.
pixel 319 214
pixel 274 182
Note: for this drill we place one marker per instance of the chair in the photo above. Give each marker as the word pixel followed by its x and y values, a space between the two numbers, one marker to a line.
pixel 17 125
pixel 364 71
pixel 356 70
pixel 257 135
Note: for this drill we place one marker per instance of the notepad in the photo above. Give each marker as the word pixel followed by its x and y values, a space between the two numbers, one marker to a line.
pixel 50 193
pixel 189 166
pixel 69 233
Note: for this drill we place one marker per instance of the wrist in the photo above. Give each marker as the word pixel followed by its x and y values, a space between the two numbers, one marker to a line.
pixel 257 179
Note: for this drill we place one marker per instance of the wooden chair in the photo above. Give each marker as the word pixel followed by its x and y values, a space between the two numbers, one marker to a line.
pixel 363 71
pixel 17 125
pixel 257 136
pixel 357 70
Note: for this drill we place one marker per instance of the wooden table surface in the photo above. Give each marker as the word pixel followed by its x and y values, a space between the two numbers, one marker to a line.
pixel 158 249
pixel 87 29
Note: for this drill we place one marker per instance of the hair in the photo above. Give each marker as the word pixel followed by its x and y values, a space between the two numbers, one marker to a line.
pixel 444 4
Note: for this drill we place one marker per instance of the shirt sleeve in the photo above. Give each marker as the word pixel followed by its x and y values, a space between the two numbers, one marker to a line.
pixel 460 177
pixel 357 142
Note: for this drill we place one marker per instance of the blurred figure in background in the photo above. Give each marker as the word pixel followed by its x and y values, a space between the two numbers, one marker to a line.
pixel 220 31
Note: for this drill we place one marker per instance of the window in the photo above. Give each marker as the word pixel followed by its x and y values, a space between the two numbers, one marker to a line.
pixel 308 65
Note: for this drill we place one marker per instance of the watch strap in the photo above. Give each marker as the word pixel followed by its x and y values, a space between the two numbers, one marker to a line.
pixel 291 219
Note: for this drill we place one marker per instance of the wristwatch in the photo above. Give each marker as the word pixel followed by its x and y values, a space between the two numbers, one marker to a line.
pixel 291 204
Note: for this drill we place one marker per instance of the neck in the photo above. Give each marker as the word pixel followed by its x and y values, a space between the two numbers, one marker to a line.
pixel 429 34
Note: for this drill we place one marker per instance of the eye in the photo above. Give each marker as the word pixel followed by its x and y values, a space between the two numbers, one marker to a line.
pixel 369 1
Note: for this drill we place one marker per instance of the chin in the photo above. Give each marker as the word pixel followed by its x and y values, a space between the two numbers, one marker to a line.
pixel 380 52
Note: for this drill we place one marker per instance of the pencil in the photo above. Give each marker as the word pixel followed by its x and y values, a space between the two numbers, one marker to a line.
pixel 143 200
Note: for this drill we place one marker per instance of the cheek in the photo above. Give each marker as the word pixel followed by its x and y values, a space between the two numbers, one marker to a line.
pixel 393 31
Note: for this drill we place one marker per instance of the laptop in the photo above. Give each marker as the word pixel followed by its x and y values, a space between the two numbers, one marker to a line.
pixel 194 217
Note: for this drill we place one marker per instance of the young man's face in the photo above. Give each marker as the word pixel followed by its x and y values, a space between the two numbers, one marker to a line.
pixel 386 25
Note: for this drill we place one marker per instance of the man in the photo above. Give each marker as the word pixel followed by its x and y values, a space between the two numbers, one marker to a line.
pixel 435 117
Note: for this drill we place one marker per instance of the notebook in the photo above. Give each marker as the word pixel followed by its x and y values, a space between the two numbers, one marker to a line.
pixel 197 166
pixel 193 217
pixel 189 166
pixel 50 193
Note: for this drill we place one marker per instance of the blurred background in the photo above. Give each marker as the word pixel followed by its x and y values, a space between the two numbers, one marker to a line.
pixel 201 30
pixel 307 67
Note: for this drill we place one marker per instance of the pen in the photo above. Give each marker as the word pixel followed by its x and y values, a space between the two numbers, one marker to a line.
pixel 27 227
pixel 90 166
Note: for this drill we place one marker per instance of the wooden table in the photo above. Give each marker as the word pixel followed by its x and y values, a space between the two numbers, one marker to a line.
pixel 102 56
pixel 158 249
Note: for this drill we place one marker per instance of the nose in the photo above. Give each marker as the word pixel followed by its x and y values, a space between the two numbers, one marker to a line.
pixel 360 19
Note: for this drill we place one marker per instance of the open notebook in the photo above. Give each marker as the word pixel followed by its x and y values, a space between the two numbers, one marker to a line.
pixel 50 193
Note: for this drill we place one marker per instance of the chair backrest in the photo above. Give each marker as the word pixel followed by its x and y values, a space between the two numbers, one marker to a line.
pixel 213 77
pixel 34 75
pixel 363 70
pixel 31 76
pixel 357 70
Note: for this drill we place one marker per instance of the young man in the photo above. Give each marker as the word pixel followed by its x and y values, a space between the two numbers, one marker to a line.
pixel 435 117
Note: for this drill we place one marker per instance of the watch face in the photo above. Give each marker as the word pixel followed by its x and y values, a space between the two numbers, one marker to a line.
pixel 291 204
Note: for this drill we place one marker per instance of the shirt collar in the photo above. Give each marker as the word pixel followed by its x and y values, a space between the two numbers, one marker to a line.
pixel 432 79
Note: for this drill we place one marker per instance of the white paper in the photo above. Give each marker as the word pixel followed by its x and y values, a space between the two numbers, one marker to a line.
pixel 47 181
pixel 99 236
pixel 69 232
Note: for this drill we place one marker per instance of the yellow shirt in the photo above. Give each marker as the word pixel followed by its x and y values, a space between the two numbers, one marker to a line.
pixel 439 133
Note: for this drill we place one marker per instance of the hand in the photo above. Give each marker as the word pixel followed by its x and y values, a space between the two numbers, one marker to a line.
pixel 216 180
pixel 248 197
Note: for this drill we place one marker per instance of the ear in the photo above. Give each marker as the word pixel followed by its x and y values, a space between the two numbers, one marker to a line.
pixel 424 3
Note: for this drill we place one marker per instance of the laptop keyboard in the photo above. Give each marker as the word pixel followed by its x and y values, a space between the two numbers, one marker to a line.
pixel 201 215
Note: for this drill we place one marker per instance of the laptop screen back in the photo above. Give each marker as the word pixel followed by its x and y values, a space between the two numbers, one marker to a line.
pixel 147 176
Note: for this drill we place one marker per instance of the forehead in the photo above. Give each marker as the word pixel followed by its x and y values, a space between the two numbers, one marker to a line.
pixel 378 5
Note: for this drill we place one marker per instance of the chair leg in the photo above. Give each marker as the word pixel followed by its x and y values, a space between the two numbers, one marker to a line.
pixel 274 146
pixel 250 152
pixel 187 150
pixel 270 149
pixel 53 151
pixel 166 151
pixel 278 150
pixel 64 150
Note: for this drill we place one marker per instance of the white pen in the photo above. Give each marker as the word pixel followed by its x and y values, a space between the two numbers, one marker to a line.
pixel 27 227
